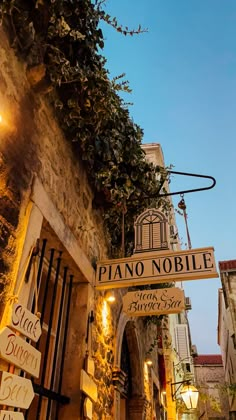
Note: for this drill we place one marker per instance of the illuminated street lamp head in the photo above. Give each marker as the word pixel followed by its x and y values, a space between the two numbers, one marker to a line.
pixel 190 396
pixel 110 296
pixel 188 393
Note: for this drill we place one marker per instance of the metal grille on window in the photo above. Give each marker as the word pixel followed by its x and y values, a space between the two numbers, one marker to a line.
pixel 54 283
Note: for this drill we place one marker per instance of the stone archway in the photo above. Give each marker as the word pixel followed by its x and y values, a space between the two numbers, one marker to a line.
pixel 132 406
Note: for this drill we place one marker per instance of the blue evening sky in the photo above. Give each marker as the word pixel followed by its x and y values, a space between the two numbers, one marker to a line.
pixel 183 76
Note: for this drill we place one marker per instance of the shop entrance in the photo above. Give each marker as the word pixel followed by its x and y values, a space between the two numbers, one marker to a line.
pixel 132 402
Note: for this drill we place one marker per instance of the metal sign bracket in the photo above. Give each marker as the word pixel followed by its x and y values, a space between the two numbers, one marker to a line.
pixel 186 191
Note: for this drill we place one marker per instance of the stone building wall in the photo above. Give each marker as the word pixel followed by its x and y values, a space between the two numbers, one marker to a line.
pixel 213 400
pixel 32 147
pixel 227 326
pixel 32 143
pixel 43 185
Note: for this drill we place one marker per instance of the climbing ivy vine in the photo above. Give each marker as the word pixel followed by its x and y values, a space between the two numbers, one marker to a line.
pixel 61 43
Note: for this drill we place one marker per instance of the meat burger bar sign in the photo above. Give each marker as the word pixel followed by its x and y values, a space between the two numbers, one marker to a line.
pixel 16 391
pixel 15 349
pixel 154 268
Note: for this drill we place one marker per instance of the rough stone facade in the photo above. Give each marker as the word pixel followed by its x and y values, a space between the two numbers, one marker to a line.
pixel 44 191
pixel 213 400
pixel 227 327
pixel 32 143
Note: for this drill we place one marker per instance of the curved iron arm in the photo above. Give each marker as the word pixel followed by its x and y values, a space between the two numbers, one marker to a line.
pixel 174 390
pixel 185 191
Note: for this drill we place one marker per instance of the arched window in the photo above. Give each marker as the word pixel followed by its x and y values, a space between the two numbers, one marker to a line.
pixel 151 231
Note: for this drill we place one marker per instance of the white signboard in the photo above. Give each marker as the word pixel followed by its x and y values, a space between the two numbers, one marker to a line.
pixel 154 302
pixel 88 409
pixel 159 267
pixel 88 386
pixel 15 391
pixel 89 365
pixel 10 415
pixel 15 350
pixel 25 322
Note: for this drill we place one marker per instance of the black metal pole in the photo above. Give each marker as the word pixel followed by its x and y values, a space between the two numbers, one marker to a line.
pixel 186 191
pixel 55 356
pixel 40 269
pixel 64 341
pixel 44 297
pixel 49 334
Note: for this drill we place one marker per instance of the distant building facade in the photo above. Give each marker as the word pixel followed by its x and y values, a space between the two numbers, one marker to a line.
pixel 227 328
pixel 178 358
pixel 210 381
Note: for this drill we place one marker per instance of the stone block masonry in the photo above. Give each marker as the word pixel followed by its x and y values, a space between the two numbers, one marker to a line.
pixel 33 144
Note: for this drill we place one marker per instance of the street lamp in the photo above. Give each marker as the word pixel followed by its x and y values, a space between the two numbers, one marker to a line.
pixel 190 396
pixel 188 393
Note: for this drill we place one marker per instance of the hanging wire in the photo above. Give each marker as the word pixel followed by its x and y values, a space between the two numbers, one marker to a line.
pixel 182 206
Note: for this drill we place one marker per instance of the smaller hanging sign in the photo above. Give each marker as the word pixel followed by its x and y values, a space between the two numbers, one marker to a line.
pixel 88 386
pixel 89 365
pixel 25 322
pixel 10 415
pixel 16 391
pixel 15 350
pixel 88 409
pixel 154 302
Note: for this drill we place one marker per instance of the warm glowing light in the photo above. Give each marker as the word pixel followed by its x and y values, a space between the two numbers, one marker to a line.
pixel 163 397
pixel 148 362
pixel 146 374
pixel 104 313
pixel 105 318
pixel 8 116
pixel 6 121
pixel 190 396
pixel 110 296
pixel 146 377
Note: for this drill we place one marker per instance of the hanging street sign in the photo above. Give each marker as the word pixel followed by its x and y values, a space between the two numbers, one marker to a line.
pixel 154 302
pixel 15 391
pixel 88 409
pixel 22 320
pixel 158 267
pixel 89 365
pixel 10 415
pixel 88 386
pixel 15 350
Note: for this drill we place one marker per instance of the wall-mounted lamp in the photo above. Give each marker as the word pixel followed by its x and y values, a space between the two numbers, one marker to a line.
pixel 110 296
pixel 148 361
pixel 188 392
